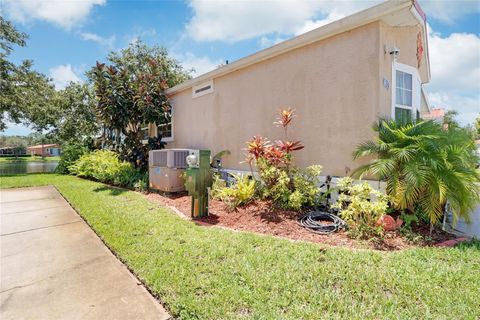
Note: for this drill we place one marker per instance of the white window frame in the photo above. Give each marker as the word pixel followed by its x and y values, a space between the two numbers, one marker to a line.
pixel 201 86
pixel 416 88
pixel 145 141
pixel 164 139
pixel 172 113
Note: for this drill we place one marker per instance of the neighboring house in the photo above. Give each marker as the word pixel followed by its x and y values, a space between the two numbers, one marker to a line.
pixel 12 151
pixel 340 78
pixel 435 114
pixel 45 150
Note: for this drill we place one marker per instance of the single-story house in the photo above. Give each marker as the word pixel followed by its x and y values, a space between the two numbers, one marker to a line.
pixel 435 114
pixel 46 150
pixel 12 150
pixel 340 78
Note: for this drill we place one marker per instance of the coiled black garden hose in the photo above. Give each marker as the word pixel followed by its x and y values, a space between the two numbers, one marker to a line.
pixel 311 221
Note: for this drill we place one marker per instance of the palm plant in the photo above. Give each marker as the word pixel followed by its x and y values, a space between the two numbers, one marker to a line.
pixel 424 167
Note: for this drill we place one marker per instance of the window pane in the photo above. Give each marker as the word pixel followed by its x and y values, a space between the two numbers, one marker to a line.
pixel 403 115
pixel 399 79
pixel 398 96
pixel 165 130
pixel 403 90
pixel 145 133
pixel 404 80
pixel 407 78
pixel 407 96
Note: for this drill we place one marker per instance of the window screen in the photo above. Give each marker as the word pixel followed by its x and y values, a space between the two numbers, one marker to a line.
pixel 404 92
pixel 403 115
pixel 165 130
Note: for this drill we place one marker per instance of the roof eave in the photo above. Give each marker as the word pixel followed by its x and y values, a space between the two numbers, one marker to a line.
pixel 422 19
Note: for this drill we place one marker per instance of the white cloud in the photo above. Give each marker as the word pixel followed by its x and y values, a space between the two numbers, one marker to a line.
pixel 455 69
pixel 468 107
pixel 108 43
pixel 62 75
pixel 449 10
pixel 64 13
pixel 233 21
pixel 240 20
pixel 455 60
pixel 266 42
pixel 200 65
pixel 140 34
pixel 313 24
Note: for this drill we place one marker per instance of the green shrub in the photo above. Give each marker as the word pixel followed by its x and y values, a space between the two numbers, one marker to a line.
pixel 280 180
pixel 361 206
pixel 408 220
pixel 71 152
pixel 105 166
pixel 424 167
pixel 142 183
pixel 242 193
pixel 217 185
pixel 291 190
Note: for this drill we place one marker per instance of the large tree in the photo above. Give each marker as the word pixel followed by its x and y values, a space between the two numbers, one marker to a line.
pixel 75 119
pixel 449 119
pixel 477 127
pixel 25 94
pixel 130 92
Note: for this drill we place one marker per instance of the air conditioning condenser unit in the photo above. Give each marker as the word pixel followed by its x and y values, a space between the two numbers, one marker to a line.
pixel 166 169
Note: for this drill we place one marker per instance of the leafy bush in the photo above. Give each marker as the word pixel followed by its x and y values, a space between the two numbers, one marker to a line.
pixel 408 220
pixel 142 184
pixel 71 152
pixel 217 185
pixel 105 166
pixel 361 206
pixel 237 195
pixel 281 181
pixel 293 190
pixel 424 166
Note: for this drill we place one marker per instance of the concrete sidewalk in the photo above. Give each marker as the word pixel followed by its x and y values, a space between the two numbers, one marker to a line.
pixel 53 266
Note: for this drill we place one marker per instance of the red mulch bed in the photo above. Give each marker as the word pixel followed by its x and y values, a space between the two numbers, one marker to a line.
pixel 260 218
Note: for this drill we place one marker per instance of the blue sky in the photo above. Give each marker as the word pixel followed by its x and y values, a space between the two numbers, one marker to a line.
pixel 67 37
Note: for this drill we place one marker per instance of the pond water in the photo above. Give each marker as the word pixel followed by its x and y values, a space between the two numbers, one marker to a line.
pixel 20 167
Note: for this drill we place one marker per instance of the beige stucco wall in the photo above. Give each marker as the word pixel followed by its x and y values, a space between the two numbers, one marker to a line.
pixel 405 39
pixel 335 85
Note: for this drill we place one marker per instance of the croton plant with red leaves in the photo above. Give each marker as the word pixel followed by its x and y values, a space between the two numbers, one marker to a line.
pixel 279 153
pixel 281 181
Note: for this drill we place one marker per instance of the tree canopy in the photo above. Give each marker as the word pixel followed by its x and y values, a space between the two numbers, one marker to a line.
pixel 130 93
pixel 75 114
pixel 25 94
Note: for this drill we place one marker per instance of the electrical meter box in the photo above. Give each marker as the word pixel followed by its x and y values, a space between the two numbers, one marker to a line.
pixel 199 181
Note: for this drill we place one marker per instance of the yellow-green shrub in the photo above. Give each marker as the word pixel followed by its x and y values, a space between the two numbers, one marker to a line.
pixel 361 206
pixel 105 166
pixel 239 194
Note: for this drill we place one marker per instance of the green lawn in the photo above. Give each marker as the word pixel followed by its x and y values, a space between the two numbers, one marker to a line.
pixel 25 159
pixel 210 273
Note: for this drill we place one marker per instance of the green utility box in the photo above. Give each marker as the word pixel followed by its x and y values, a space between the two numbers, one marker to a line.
pixel 198 181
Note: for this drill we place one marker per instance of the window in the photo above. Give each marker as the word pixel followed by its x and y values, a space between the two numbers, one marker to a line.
pixel 404 90
pixel 202 89
pixel 165 130
pixel 144 131
pixel 405 94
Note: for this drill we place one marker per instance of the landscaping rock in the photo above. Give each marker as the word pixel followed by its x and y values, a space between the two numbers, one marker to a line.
pixel 398 222
pixel 387 223
pixel 451 243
